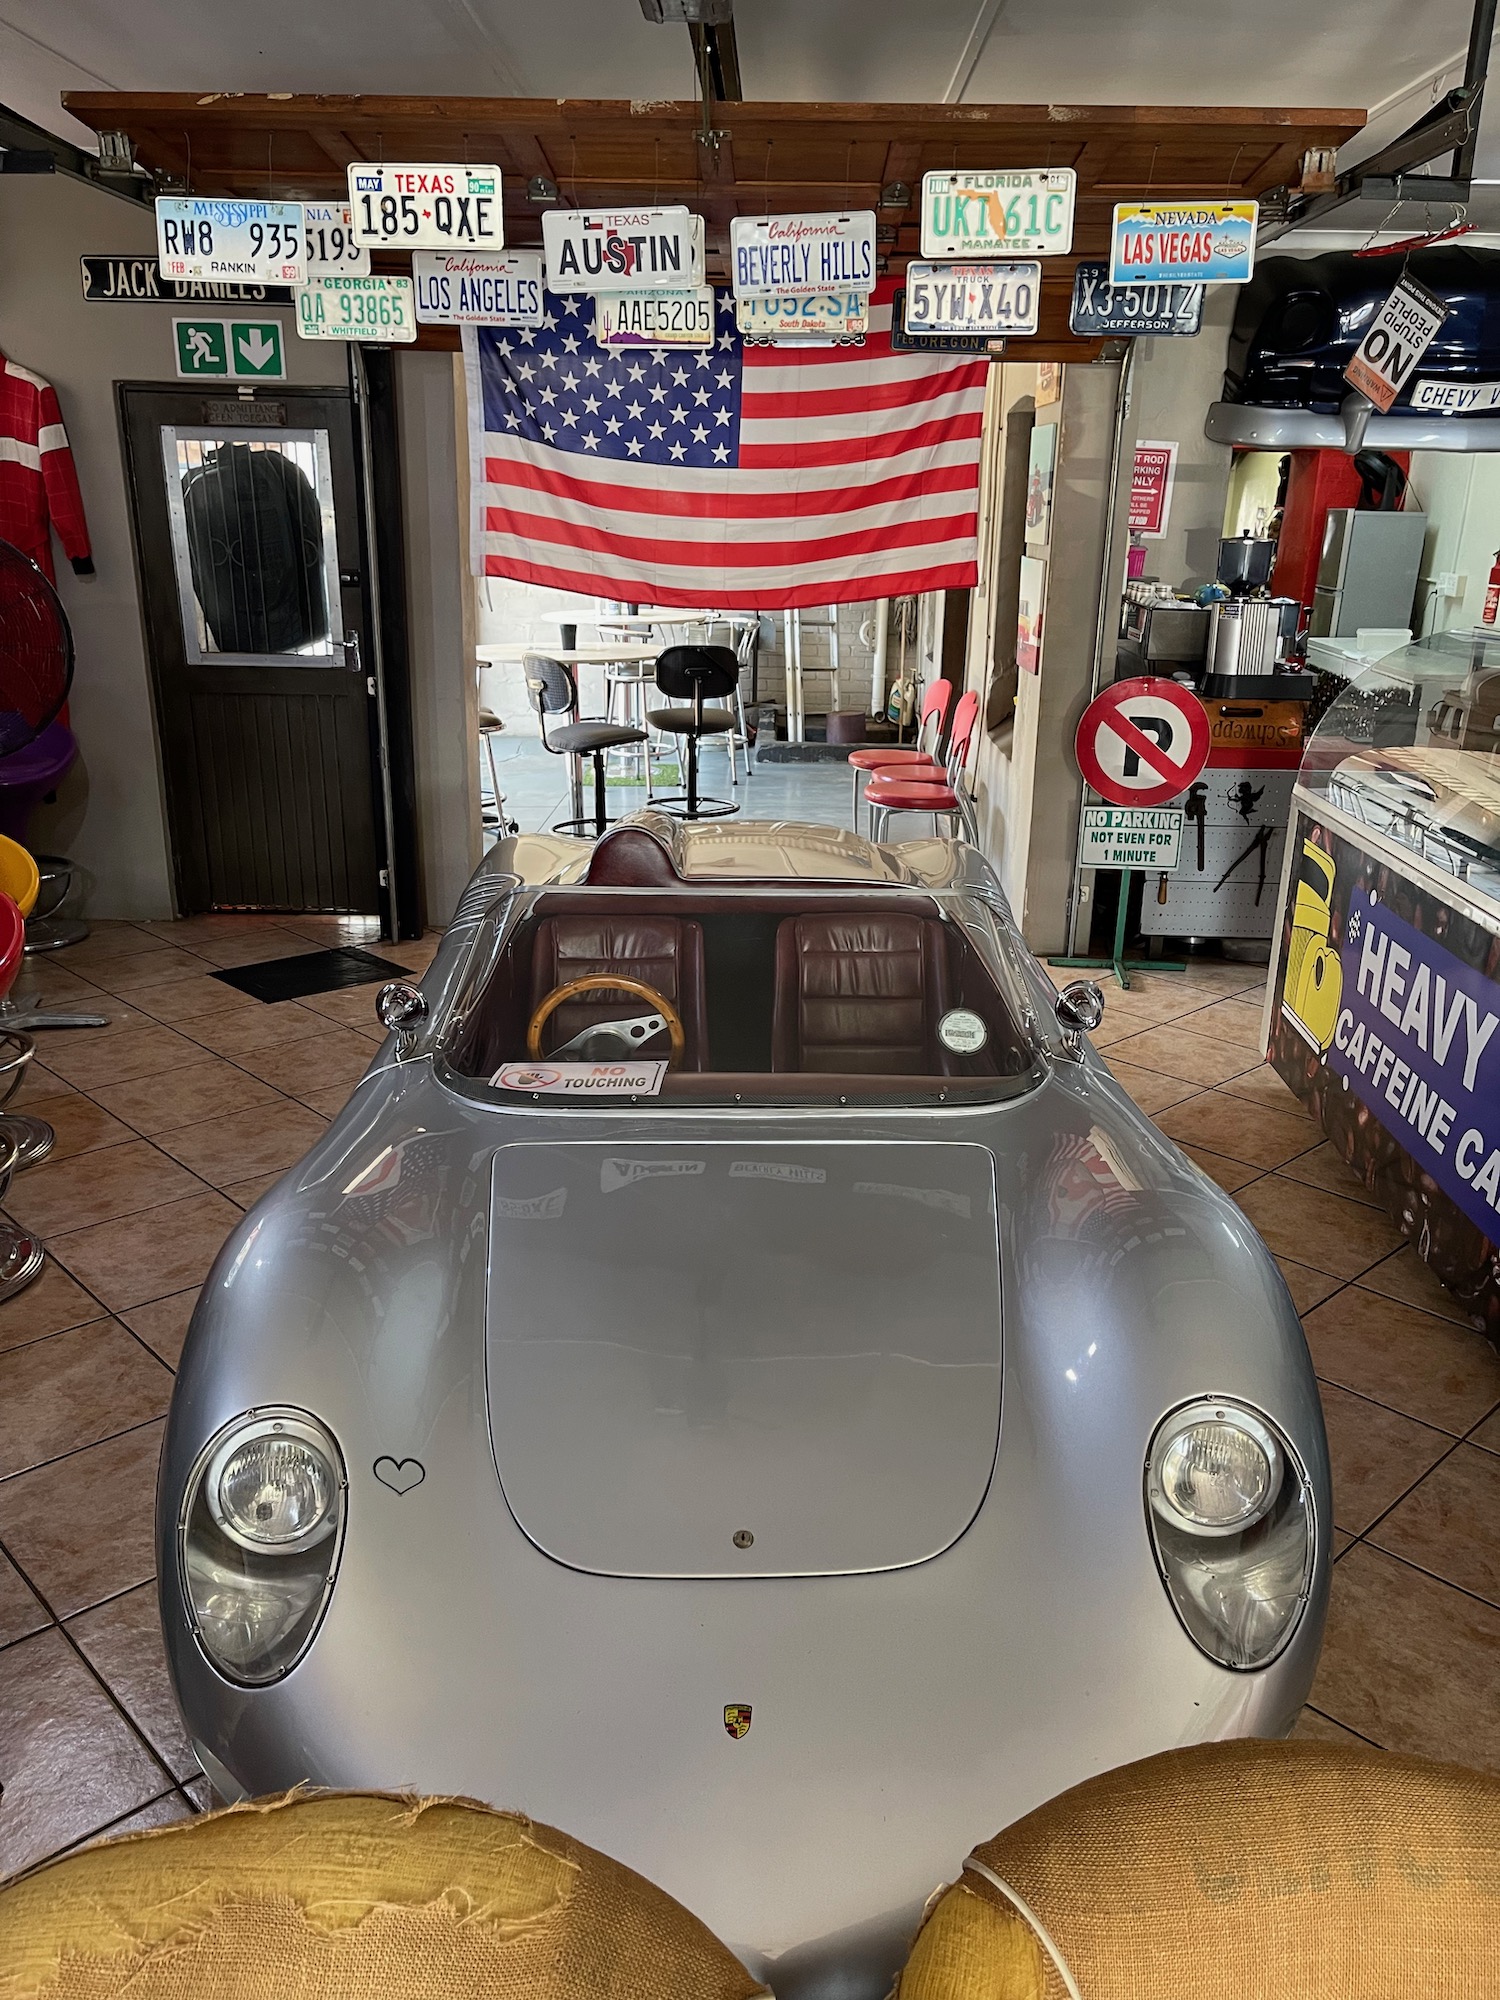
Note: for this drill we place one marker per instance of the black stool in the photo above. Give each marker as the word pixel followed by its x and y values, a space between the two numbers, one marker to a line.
pixel 697 674
pixel 553 691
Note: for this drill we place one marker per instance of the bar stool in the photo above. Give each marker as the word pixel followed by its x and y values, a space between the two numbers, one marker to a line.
pixel 890 756
pixel 27 776
pixel 24 1140
pixel 554 691
pixel 892 791
pixel 697 675
pixel 490 726
pixel 20 881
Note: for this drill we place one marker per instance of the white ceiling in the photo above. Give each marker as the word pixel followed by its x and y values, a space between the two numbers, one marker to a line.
pixel 1297 52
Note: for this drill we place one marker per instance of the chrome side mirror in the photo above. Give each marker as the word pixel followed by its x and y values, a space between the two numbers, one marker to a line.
pixel 1080 1006
pixel 400 1006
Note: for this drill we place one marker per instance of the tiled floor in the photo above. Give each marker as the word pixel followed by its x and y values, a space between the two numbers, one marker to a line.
pixel 170 1122
pixel 1411 1394
pixel 183 1110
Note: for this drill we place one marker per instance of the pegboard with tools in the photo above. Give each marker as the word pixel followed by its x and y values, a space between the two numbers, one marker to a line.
pixel 1226 879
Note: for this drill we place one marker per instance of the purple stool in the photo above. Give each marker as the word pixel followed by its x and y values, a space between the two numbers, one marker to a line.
pixel 26 777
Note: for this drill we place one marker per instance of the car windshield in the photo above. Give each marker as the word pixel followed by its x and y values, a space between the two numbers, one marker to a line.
pixel 768 993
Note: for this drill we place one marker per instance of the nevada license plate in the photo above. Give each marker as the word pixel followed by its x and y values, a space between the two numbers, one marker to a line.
pixel 998 214
pixel 427 207
pixel 972 298
pixel 357 309
pixel 250 241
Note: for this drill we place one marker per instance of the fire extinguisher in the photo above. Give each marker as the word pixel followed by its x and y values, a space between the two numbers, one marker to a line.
pixel 1492 592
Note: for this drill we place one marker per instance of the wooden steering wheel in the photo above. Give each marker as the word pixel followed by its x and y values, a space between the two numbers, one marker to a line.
pixel 606 982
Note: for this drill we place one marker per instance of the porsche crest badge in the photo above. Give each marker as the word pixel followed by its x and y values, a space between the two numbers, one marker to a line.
pixel 737 1718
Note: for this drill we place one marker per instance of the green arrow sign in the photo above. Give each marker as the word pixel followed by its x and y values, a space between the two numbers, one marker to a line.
pixel 201 347
pixel 255 348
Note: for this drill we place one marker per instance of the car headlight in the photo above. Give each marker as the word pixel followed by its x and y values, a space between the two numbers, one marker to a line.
pixel 1229 1508
pixel 262 1520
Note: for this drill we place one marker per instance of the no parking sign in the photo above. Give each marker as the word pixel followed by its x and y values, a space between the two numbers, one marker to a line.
pixel 1141 742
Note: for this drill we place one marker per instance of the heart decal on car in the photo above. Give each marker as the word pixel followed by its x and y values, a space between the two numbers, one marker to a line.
pixel 400 1474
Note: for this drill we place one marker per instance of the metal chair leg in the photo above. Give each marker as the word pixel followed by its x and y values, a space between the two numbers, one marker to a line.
pixel 32 1137
pixel 21 1255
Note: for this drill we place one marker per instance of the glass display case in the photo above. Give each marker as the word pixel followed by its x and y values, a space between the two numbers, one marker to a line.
pixel 1383 1002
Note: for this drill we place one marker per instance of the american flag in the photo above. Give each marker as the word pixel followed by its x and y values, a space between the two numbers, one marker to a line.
pixel 734 477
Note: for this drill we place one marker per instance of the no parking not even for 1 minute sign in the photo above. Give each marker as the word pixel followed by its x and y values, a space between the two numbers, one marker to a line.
pixel 1139 742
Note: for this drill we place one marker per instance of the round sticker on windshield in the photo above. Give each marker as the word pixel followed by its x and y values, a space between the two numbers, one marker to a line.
pixel 963 1032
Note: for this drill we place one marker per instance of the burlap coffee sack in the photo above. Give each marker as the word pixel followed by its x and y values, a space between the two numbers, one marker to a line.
pixel 1232 1871
pixel 354 1896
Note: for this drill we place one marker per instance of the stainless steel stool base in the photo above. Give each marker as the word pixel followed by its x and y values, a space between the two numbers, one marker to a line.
pixel 34 1137
pixel 54 933
pixel 21 1260
pixel 676 806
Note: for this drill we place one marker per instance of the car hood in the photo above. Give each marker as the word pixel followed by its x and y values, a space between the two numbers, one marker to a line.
pixel 743 1359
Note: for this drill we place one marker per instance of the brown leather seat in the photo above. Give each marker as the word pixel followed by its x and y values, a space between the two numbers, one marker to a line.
pixel 667 952
pixel 862 994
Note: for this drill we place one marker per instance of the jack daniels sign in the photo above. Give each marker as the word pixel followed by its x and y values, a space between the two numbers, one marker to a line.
pixel 137 281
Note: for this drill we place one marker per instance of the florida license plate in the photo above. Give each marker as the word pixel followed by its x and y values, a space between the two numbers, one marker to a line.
pixel 998 214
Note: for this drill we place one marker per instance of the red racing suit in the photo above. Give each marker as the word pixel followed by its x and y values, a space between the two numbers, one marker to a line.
pixel 38 483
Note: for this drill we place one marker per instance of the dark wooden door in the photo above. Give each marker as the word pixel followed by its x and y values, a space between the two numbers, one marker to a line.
pixel 248 536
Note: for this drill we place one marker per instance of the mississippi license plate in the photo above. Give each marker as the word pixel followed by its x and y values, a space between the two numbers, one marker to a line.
pixel 655 319
pixel 427 207
pixel 998 214
pixel 248 241
pixel 331 247
pixel 357 309
pixel 972 298
pixel 783 315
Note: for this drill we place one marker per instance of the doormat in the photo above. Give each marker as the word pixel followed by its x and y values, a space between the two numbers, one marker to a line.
pixel 310 972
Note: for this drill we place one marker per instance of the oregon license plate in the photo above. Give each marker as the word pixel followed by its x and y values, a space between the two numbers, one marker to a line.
pixel 254 242
pixel 357 309
pixel 427 207
pixel 998 214
pixel 972 298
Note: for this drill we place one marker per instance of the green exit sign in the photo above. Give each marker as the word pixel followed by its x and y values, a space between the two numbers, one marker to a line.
pixel 234 349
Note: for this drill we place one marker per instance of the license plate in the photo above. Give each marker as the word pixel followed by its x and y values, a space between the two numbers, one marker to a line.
pixel 623 250
pixel 357 309
pixel 802 253
pixel 972 298
pixel 249 241
pixel 997 214
pixel 1100 308
pixel 427 206
pixel 455 289
pixel 655 319
pixel 836 315
pixel 331 248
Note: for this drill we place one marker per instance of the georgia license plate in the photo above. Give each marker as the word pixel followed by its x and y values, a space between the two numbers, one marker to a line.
pixel 331 248
pixel 255 242
pixel 972 298
pixel 998 214
pixel 357 309
pixel 427 207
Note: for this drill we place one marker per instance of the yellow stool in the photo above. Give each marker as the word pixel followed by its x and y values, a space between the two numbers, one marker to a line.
pixel 18 875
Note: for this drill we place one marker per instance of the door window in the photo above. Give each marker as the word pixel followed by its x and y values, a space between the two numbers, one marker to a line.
pixel 253 546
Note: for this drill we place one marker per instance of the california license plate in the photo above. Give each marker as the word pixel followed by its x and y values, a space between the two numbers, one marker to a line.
pixel 972 298
pixel 357 309
pixel 998 214
pixel 427 207
pixel 248 241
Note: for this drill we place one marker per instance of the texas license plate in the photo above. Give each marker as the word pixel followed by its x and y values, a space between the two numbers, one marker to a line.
pixel 427 207
pixel 972 298
pixel 249 241
pixel 357 309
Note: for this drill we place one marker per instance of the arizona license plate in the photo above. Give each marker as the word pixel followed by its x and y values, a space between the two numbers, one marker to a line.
pixel 251 241
pixel 998 214
pixel 972 298
pixel 427 207
pixel 655 319
pixel 357 309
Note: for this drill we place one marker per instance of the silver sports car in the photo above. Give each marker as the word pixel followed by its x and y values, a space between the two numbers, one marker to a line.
pixel 740 1381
